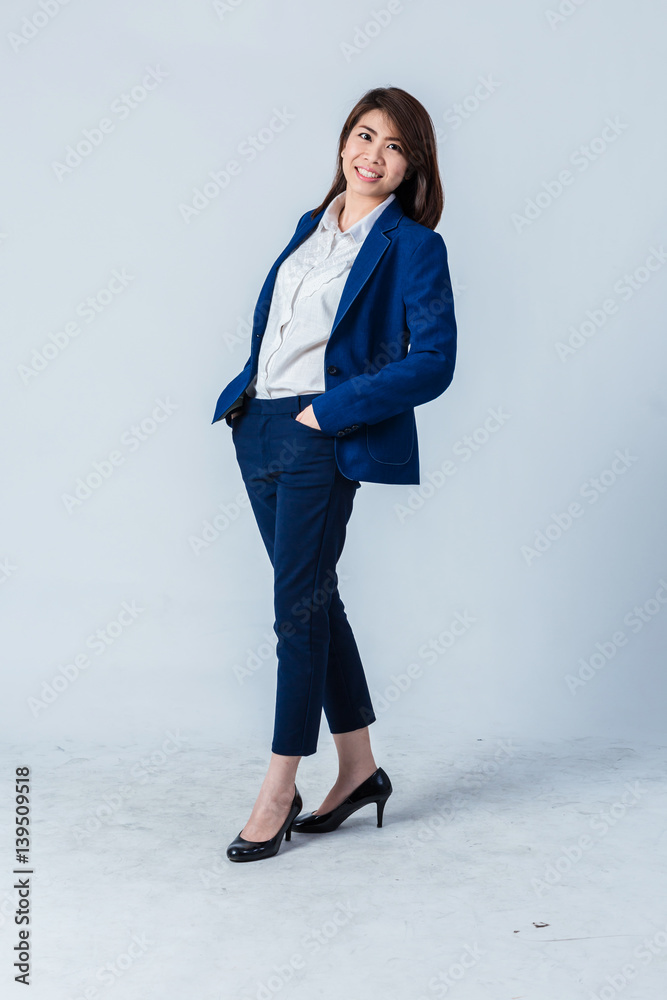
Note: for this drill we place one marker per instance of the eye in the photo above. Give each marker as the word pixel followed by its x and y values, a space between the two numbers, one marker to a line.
pixel 394 144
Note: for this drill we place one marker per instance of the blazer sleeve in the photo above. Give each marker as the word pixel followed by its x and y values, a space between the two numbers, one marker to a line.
pixel 428 367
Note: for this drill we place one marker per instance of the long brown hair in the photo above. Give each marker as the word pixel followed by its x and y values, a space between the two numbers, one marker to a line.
pixel 420 193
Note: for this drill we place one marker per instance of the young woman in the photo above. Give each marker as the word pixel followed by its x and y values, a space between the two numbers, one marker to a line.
pixel 353 328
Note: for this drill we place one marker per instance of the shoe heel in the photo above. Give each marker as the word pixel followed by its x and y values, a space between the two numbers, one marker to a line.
pixel 381 804
pixel 288 832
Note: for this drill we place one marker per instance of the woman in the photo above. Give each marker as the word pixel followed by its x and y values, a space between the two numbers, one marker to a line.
pixel 353 328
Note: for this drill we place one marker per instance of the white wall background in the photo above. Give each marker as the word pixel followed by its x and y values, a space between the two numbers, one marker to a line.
pixel 178 332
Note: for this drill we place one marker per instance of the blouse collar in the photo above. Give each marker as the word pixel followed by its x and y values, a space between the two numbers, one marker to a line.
pixel 360 230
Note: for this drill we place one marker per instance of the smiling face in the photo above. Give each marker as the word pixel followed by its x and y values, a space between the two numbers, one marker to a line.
pixel 374 160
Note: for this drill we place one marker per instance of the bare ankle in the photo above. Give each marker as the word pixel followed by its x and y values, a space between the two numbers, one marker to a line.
pixel 356 773
pixel 278 793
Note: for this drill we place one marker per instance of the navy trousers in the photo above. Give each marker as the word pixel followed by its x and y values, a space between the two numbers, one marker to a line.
pixel 302 503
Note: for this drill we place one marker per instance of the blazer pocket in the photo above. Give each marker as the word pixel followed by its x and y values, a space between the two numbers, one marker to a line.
pixel 391 441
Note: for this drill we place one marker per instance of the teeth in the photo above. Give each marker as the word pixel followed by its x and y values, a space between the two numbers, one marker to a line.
pixel 366 173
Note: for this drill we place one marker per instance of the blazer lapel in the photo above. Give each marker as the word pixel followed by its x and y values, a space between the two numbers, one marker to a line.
pixel 368 258
pixel 363 266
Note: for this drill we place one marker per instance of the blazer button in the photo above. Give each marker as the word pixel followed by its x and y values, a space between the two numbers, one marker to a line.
pixel 354 427
pixel 332 370
pixel 340 434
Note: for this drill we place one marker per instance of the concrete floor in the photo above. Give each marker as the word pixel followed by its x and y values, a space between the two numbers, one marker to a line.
pixel 506 870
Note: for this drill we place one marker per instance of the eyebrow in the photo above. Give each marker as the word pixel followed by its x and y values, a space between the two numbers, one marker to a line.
pixel 391 138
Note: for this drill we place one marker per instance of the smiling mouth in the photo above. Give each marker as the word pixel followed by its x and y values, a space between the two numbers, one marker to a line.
pixel 367 175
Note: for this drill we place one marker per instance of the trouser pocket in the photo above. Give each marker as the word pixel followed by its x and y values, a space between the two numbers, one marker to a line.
pixel 313 430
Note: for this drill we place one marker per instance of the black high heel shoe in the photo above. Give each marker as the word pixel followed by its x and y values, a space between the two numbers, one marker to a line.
pixel 377 789
pixel 255 850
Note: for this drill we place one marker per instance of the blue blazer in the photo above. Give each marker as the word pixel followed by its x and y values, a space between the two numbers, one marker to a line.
pixel 392 347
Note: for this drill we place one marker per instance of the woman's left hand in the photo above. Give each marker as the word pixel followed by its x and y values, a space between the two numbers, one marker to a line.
pixel 307 416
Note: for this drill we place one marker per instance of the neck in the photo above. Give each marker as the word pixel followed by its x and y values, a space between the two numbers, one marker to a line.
pixel 356 207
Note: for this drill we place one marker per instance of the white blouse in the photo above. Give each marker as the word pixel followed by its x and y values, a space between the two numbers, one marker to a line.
pixel 306 295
